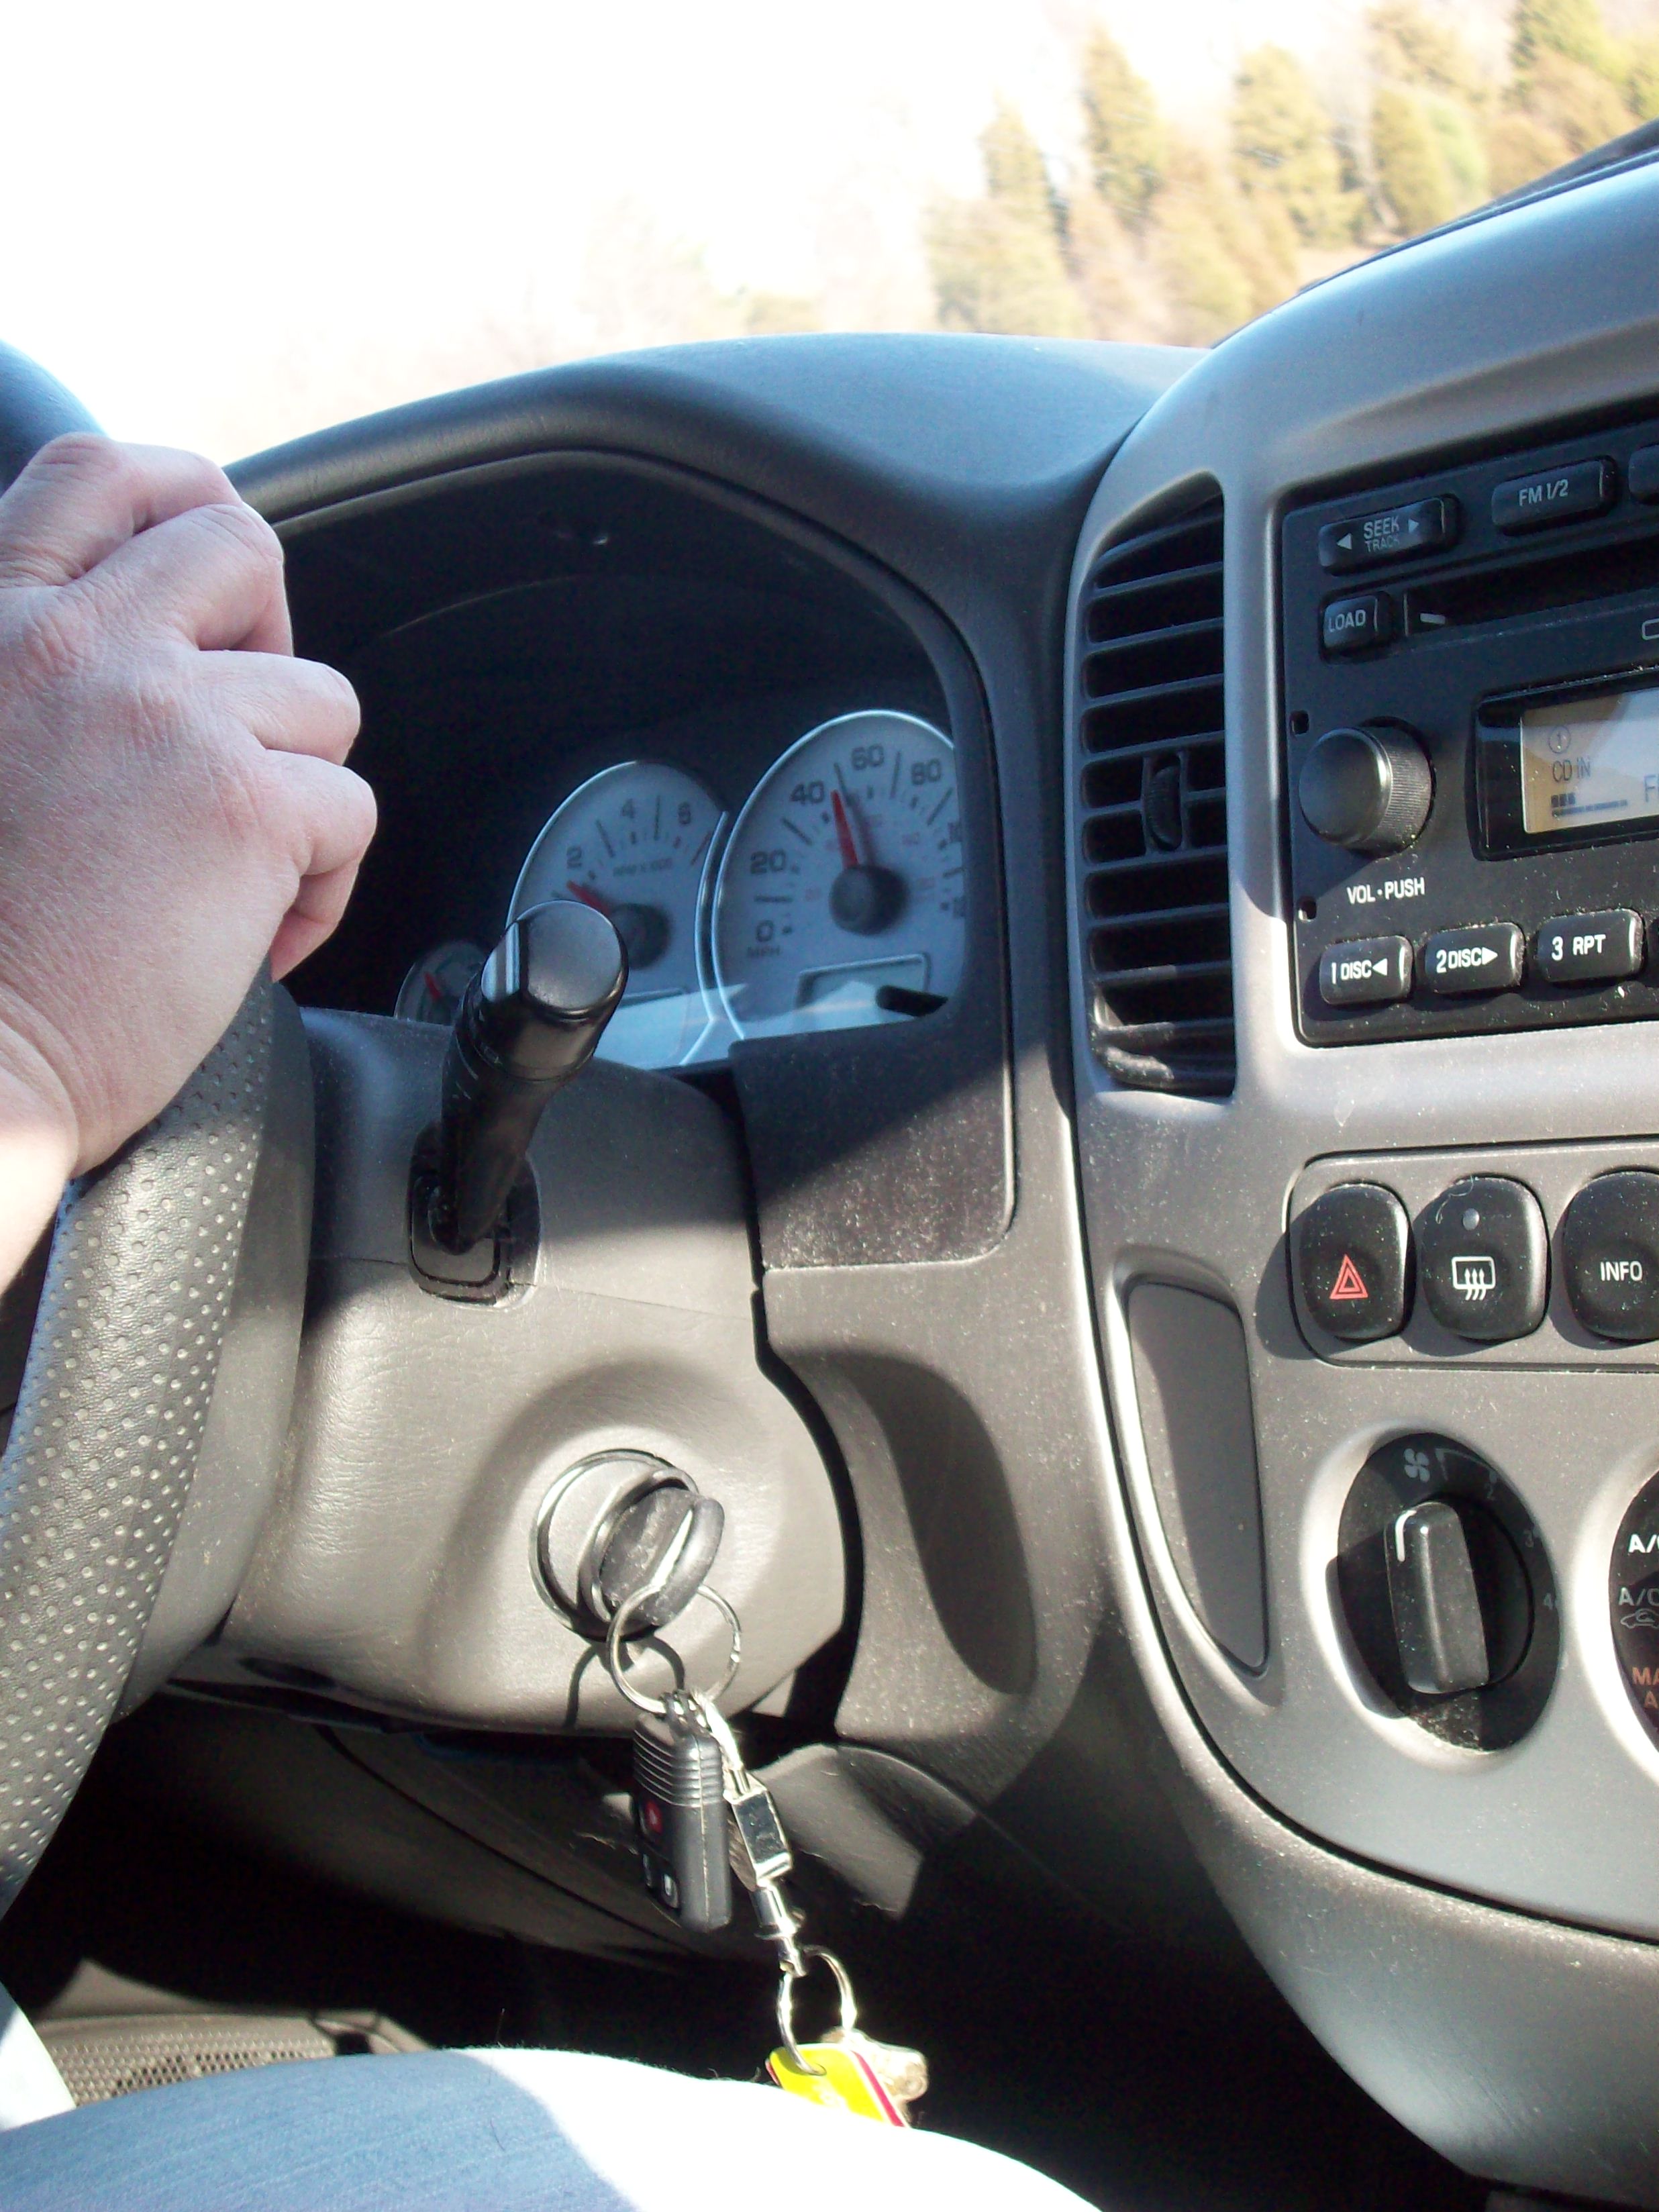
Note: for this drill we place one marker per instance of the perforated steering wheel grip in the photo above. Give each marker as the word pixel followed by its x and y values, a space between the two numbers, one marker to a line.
pixel 109 1427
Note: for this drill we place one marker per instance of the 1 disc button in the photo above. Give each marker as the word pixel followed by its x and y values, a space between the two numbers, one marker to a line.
pixel 1610 1255
pixel 1365 971
pixel 1350 1255
pixel 1483 1258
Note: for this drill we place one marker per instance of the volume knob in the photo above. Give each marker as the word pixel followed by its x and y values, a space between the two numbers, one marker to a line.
pixel 1369 789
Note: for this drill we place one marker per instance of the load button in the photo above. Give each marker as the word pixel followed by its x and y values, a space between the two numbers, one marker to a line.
pixel 1610 1255
pixel 1358 623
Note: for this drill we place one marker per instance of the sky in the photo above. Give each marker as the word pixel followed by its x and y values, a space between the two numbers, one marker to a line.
pixel 231 224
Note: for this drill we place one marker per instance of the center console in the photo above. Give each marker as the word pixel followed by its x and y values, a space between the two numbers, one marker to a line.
pixel 1369 1157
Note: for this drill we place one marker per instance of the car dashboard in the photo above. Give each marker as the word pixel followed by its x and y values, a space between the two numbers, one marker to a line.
pixel 1153 855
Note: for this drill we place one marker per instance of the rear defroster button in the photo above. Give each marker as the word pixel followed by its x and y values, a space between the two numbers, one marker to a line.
pixel 1483 1257
pixel 1610 1255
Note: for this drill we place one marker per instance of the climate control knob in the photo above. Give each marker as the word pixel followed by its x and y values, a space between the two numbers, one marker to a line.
pixel 1447 1592
pixel 1368 788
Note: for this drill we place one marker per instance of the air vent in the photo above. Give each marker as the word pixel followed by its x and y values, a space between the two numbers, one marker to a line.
pixel 1156 938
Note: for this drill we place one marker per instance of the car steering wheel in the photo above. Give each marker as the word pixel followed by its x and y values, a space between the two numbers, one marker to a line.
pixel 121 1369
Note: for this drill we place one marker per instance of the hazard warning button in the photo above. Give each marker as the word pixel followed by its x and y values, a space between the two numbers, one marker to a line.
pixel 1350 1259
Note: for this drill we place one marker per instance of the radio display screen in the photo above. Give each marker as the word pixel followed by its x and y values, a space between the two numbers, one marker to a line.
pixel 1589 763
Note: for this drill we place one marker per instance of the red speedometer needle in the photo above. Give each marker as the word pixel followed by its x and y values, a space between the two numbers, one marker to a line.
pixel 588 897
pixel 849 851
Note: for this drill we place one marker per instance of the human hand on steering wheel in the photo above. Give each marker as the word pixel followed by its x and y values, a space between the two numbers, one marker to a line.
pixel 174 805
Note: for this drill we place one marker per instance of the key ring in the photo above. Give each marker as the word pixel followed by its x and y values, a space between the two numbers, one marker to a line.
pixel 616 1634
pixel 789 1976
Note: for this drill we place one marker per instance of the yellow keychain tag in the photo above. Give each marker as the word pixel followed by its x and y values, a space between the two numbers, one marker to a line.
pixel 849 2071
pixel 845 2081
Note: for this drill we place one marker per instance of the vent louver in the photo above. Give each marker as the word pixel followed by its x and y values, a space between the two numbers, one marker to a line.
pixel 1156 936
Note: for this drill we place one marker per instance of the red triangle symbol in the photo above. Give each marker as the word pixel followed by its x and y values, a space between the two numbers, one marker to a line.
pixel 1349 1283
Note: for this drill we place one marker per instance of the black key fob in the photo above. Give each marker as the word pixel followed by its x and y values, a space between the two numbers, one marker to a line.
pixel 679 1818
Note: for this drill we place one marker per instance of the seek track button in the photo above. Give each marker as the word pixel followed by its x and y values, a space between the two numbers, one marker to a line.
pixel 1351 1257
pixel 1397 533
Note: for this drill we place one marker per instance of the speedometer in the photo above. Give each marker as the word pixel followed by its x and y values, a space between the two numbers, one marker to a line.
pixel 635 841
pixel 840 900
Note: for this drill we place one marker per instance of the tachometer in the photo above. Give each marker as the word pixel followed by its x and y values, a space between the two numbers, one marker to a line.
pixel 635 840
pixel 840 900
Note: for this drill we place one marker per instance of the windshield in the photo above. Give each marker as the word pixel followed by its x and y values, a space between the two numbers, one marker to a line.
pixel 243 225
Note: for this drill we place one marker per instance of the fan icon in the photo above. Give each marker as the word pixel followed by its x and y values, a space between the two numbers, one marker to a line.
pixel 1418 1465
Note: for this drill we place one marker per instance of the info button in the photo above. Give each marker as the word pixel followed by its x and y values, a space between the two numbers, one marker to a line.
pixel 1366 971
pixel 1610 1255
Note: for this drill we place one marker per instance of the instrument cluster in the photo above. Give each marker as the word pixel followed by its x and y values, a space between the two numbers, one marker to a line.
pixel 832 898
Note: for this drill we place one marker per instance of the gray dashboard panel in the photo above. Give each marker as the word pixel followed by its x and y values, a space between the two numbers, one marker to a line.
pixel 396 1566
pixel 965 465
pixel 1542 316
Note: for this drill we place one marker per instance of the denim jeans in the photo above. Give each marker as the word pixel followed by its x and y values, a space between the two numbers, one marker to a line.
pixel 492 2131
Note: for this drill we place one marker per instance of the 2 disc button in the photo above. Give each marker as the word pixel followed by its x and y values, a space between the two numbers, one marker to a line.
pixel 1483 1258
pixel 1350 1253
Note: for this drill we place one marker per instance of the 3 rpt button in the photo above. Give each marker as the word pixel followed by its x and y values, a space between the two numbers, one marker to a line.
pixel 1351 1252
pixel 1610 1255
pixel 1483 1258
pixel 1591 948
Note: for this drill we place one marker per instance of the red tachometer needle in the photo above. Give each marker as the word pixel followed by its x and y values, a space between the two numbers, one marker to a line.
pixel 849 851
pixel 588 897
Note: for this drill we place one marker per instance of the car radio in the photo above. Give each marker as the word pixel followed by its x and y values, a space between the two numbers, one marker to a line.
pixel 1471 666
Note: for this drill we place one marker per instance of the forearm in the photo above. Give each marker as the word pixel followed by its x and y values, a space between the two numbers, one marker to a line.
pixel 36 1161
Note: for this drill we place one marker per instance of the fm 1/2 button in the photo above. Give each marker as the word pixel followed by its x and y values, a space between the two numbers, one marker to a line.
pixel 1610 1255
pixel 1352 1253
pixel 1483 1258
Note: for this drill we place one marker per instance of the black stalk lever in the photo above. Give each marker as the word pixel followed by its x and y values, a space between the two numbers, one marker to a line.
pixel 529 1021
